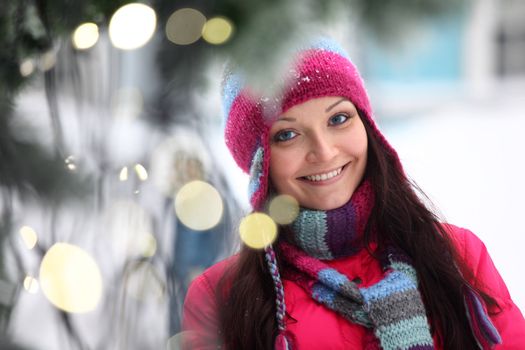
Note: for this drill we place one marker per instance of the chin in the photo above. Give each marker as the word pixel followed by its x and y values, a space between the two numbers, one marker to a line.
pixel 328 204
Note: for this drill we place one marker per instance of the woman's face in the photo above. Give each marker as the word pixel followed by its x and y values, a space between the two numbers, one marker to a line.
pixel 318 152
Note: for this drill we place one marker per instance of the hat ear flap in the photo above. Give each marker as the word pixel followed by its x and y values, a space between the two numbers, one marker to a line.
pixel 259 174
pixel 256 172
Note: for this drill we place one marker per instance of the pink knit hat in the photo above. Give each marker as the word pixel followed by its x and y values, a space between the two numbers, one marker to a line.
pixel 323 69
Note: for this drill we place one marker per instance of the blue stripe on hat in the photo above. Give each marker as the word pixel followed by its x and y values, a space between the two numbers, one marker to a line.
pixel 231 88
pixel 256 171
pixel 329 45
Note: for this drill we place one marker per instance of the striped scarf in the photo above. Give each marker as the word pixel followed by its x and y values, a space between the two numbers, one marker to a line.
pixel 392 309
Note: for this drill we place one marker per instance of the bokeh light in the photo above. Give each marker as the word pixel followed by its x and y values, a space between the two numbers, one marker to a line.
pixel 70 163
pixel 217 30
pixel 27 67
pixel 132 26
pixel 141 172
pixel 185 26
pixel 283 209
pixel 198 205
pixel 149 244
pixel 258 230
pixel 123 175
pixel 180 158
pixel 70 278
pixel 28 236
pixel 31 284
pixel 47 61
pixel 85 36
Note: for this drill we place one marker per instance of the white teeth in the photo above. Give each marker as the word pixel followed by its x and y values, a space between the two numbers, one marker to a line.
pixel 322 177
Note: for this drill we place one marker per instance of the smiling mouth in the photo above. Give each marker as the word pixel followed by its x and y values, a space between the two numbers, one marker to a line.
pixel 324 176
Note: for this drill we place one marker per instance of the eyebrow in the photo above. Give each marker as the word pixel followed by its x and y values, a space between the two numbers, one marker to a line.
pixel 335 104
pixel 287 119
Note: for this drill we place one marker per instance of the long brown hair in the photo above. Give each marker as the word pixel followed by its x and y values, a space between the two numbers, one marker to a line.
pixel 246 298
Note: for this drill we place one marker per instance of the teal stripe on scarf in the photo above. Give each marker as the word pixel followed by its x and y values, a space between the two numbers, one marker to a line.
pixel 405 334
pixel 406 268
pixel 313 225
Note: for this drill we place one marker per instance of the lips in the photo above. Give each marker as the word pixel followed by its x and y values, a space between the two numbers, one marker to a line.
pixel 324 176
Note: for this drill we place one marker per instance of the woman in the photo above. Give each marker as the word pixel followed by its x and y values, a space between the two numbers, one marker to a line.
pixel 365 265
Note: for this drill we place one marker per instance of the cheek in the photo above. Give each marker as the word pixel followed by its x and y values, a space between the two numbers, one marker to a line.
pixel 360 148
pixel 281 165
pixel 362 154
pixel 276 168
pixel 357 147
pixel 363 149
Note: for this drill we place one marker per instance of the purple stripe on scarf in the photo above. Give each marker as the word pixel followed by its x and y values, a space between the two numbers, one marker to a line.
pixel 346 224
pixel 342 231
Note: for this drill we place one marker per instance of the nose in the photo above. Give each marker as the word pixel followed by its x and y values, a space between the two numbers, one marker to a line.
pixel 321 148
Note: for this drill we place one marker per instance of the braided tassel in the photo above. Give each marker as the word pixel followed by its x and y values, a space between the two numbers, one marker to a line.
pixel 281 342
pixel 484 331
pixel 283 339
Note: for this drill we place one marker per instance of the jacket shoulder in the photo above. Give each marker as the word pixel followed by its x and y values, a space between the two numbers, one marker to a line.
pixel 467 244
pixel 508 319
pixel 476 257
pixel 208 280
pixel 215 272
pixel 200 310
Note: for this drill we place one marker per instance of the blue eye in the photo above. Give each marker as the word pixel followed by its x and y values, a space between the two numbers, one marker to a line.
pixel 337 119
pixel 284 135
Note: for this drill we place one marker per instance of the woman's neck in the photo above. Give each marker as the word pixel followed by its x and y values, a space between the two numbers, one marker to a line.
pixel 335 233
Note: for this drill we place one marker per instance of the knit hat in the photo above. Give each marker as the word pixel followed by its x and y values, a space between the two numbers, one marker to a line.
pixel 322 69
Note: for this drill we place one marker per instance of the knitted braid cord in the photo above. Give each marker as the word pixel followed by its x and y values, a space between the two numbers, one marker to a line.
pixel 283 339
pixel 278 286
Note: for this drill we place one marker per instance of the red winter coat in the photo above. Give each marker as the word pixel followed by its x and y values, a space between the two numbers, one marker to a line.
pixel 317 327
